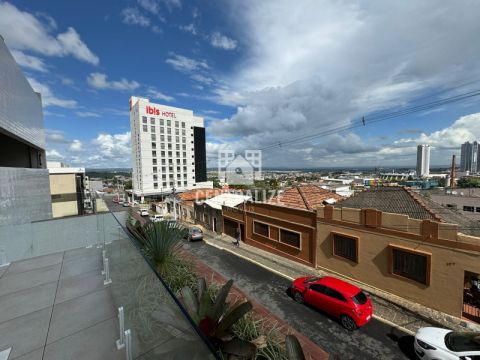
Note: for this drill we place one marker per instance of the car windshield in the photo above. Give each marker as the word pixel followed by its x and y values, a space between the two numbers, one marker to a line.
pixel 312 279
pixel 360 298
pixel 462 341
pixel 196 230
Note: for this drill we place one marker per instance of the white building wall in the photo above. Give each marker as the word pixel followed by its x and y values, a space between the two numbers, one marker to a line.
pixel 180 172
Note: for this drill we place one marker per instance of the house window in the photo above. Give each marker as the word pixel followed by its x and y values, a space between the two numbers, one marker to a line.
pixel 144 119
pixel 290 238
pixel 345 247
pixel 155 185
pixel 261 229
pixel 145 128
pixel 154 138
pixel 154 145
pixel 411 264
pixel 152 128
pixel 183 125
pixel 162 122
pixel 469 208
pixel 169 123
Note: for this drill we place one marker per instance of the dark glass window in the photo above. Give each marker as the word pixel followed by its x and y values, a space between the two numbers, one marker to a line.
pixel 360 298
pixel 144 119
pixel 469 208
pixel 318 288
pixel 345 247
pixel 145 128
pixel 410 265
pixel 260 228
pixel 290 238
pixel 334 294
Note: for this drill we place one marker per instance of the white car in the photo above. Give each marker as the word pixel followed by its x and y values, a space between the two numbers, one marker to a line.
pixel 443 344
pixel 156 217
pixel 143 212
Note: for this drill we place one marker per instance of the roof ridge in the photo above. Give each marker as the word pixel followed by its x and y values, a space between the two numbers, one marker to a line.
pixel 303 197
pixel 419 201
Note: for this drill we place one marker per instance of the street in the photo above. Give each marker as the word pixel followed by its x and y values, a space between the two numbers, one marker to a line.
pixel 376 340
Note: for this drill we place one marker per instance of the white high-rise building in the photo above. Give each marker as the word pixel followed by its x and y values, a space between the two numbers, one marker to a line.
pixel 168 148
pixel 470 153
pixel 423 160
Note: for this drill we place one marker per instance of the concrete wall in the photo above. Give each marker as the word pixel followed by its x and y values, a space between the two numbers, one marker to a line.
pixel 64 195
pixel 62 184
pixel 451 254
pixel 66 208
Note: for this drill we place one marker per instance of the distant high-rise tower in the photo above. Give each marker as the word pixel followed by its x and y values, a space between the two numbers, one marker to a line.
pixel 469 157
pixel 423 160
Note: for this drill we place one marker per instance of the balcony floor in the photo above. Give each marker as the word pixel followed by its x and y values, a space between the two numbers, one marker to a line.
pixel 56 307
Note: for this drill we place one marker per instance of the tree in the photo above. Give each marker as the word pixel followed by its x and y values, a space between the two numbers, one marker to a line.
pixel 128 184
pixel 469 182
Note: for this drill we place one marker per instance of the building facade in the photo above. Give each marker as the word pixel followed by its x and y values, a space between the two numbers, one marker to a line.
pixel 423 160
pixel 469 157
pixel 24 182
pixel 168 148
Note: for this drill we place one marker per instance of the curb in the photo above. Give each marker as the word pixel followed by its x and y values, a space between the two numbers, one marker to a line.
pixel 379 318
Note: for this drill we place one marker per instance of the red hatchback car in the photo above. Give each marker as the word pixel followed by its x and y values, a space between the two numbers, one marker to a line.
pixel 336 297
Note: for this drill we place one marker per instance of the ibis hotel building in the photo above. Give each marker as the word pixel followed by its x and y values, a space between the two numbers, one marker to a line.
pixel 168 149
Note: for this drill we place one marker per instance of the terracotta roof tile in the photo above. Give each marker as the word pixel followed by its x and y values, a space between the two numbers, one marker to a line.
pixel 307 197
pixel 200 194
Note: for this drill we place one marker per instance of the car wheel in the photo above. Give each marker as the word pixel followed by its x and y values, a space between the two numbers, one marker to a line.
pixel 348 323
pixel 298 297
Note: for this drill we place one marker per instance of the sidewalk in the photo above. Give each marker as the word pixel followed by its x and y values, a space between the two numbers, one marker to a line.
pixel 391 309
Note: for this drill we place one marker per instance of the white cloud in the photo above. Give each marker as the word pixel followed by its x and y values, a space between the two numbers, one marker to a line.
pixel 55 136
pixel 29 61
pixel 49 98
pixel 152 6
pixel 76 145
pixel 155 94
pixel 54 155
pixel 312 68
pixel 23 31
pixel 190 28
pixel 185 64
pixel 132 16
pixel 87 114
pixel 116 146
pixel 100 81
pixel 157 29
pixel 202 79
pixel 223 42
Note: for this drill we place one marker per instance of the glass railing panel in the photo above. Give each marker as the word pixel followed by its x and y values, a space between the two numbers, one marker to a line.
pixel 16 242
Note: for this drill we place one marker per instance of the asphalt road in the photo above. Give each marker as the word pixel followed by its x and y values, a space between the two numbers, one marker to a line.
pixel 376 340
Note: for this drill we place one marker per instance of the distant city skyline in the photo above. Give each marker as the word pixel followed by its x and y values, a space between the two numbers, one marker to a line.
pixel 260 73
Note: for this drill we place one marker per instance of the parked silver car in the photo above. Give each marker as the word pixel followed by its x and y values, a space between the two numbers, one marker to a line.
pixel 194 234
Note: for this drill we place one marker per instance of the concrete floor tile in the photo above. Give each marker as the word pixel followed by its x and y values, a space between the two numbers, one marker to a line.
pixel 72 287
pixel 25 333
pixel 34 355
pixel 3 269
pixel 80 266
pixel 26 301
pixel 35 263
pixel 75 254
pixel 12 282
pixel 82 312
pixel 94 343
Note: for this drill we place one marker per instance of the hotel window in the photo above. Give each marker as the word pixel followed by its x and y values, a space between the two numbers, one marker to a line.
pixel 169 123
pixel 169 154
pixel 176 123
pixel 469 208
pixel 183 132
pixel 162 146
pixel 410 264
pixel 154 138
pixel 169 131
pixel 164 184
pixel 345 247
pixel 184 147
pixel 170 176
pixel 290 238
pixel 145 128
pixel 162 130
pixel 144 119
pixel 178 153
pixel 184 161
pixel 177 132
pixel 162 137
pixel 184 183
pixel 154 169
pixel 163 161
pixel 185 155
pixel 179 176
pixel 152 128
pixel 177 147
pixel 164 176
pixel 261 229
pixel 155 185
pixel 154 153
pixel 154 161
pixel 183 139
pixel 178 161
pixel 184 168
pixel 183 125
pixel 169 138
pixel 152 121
pixel 178 168
pixel 162 122
pixel 154 145
pixel 169 146
pixel 184 176
pixel 162 153
pixel 155 177
pixel 170 161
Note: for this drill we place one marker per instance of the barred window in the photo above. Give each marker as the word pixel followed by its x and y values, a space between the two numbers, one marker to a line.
pixel 411 265
pixel 260 229
pixel 290 238
pixel 345 247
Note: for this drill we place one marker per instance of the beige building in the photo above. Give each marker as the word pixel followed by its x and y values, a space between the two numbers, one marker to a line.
pixel 67 188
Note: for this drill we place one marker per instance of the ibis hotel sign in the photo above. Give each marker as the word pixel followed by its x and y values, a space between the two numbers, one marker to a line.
pixel 152 110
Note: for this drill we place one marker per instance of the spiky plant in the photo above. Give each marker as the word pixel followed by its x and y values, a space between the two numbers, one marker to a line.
pixel 215 317
pixel 293 348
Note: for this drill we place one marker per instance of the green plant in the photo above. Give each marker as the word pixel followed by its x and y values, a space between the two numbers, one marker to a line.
pixel 215 317
pixel 293 348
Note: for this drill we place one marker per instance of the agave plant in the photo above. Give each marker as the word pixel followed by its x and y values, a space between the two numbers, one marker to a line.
pixel 160 241
pixel 215 318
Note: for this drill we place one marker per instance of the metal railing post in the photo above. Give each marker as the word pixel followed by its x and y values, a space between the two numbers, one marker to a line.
pixel 121 324
pixel 128 344
pixel 107 273
pixel 104 256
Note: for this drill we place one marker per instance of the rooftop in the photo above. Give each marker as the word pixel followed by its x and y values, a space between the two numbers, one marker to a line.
pixel 227 199
pixel 199 194
pixel 305 197
pixel 396 200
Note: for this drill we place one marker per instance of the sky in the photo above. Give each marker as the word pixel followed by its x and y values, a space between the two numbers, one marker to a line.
pixel 280 76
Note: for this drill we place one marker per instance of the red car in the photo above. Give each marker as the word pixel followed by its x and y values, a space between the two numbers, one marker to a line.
pixel 336 297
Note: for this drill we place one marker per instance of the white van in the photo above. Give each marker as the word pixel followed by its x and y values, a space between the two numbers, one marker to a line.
pixel 156 217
